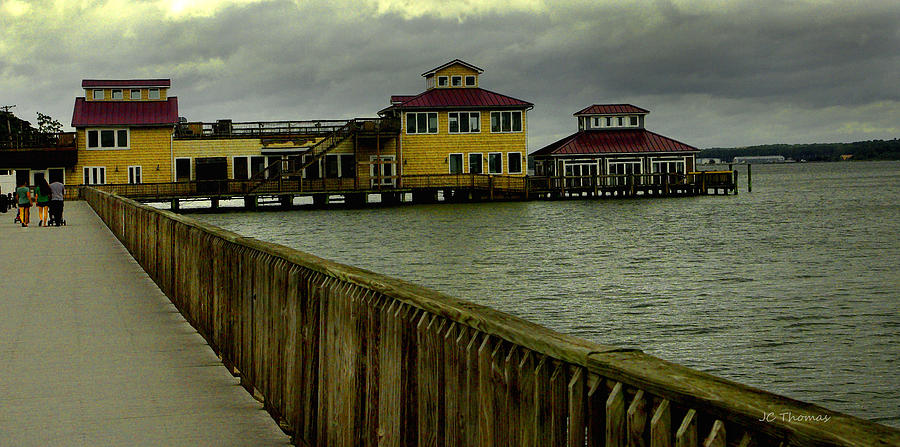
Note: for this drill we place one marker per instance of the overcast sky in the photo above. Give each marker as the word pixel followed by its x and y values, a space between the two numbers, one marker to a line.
pixel 712 73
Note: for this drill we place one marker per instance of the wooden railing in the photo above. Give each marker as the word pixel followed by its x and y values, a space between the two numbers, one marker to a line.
pixel 345 357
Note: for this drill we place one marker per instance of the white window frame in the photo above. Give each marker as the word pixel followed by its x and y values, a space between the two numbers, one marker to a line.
pixel 462 163
pixel 443 81
pixel 634 121
pixel 112 94
pixel 469 162
pixel 427 126
pixel 474 82
pixel 616 162
pixel 175 168
pixel 100 146
pixel 500 156
pixel 133 91
pixel 135 175
pixel 452 115
pixel 521 163
pixel 456 81
pixel 94 95
pixel 153 93
pixel 385 180
pixel 656 162
pixel 500 124
pixel 91 175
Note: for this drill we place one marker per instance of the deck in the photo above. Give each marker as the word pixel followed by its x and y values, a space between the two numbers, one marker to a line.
pixel 93 353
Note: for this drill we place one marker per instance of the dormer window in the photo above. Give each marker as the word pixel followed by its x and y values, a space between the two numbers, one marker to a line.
pixel 135 93
pixel 116 94
pixel 470 81
pixel 443 81
pixel 621 121
pixel 153 93
pixel 596 122
pixel 608 121
pixel 98 93
pixel 633 120
pixel 456 81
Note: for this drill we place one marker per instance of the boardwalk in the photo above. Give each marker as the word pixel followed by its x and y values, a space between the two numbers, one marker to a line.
pixel 92 353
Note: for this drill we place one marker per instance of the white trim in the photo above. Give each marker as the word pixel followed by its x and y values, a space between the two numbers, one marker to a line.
pixel 150 93
pixel 140 175
pixel 112 94
pixel 445 79
pixel 500 123
pixel 94 175
pixel 521 163
pixel 466 81
pixel 456 81
pixel 477 120
pixel 462 164
pixel 94 94
pixel 437 127
pixel 500 154
pixel 469 162
pixel 100 130
pixel 175 168
pixel 131 93
pixel 384 181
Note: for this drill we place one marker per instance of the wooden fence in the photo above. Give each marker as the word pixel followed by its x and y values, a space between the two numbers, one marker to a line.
pixel 345 357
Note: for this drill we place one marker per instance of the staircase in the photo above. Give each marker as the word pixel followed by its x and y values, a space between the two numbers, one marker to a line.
pixel 317 151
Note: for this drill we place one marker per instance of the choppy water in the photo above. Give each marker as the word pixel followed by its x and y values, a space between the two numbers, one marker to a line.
pixel 793 288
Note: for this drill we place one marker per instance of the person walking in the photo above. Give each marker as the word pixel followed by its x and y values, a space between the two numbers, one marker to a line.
pixel 57 194
pixel 42 191
pixel 24 199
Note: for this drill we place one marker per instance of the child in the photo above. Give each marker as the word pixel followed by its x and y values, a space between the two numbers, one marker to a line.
pixel 24 195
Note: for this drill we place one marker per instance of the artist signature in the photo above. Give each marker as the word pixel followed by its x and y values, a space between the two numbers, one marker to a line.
pixel 787 416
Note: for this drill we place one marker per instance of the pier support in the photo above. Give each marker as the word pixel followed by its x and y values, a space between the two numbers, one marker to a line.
pixel 175 204
pixel 214 203
pixel 320 200
pixel 390 198
pixel 286 200
pixel 250 202
pixel 424 196
pixel 356 199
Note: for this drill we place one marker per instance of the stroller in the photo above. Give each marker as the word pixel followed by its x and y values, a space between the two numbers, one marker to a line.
pixel 56 213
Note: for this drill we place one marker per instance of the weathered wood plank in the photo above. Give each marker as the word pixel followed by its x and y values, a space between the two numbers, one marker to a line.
pixel 513 396
pixel 500 390
pixel 636 420
pixel 487 410
pixel 453 385
pixel 376 307
pixel 543 402
pixel 615 417
pixel 577 389
pixel 746 441
pixel 430 380
pixel 596 414
pixel 686 436
pixel 661 426
pixel 559 404
pixel 472 401
pixel 390 388
pixel 528 412
pixel 716 436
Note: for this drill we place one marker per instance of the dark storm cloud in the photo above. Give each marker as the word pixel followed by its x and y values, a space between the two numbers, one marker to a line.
pixel 711 75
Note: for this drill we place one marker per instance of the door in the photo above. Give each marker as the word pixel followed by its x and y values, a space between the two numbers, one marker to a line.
pixel 387 170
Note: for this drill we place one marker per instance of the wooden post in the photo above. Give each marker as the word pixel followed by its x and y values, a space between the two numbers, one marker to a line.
pixel 749 177
pixel 735 183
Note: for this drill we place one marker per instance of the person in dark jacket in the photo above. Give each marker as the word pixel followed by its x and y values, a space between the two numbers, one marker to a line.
pixel 57 194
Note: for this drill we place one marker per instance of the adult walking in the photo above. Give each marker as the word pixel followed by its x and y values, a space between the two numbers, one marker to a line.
pixel 57 194
pixel 24 199
pixel 42 191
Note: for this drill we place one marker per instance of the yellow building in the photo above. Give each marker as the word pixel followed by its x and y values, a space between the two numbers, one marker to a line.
pixel 457 127
pixel 124 131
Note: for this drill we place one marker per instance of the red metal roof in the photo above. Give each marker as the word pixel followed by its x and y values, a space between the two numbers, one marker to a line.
pixel 126 83
pixel 397 99
pixel 630 141
pixel 610 109
pixel 120 113
pixel 438 98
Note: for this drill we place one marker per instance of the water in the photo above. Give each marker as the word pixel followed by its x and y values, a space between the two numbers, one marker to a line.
pixel 792 288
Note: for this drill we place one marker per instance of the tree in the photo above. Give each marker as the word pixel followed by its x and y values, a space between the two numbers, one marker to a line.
pixel 46 124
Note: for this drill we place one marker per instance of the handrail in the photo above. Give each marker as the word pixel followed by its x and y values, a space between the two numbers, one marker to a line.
pixel 343 356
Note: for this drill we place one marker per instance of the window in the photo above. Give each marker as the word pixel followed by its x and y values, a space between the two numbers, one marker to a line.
pixel 135 93
pixel 633 120
pixel 456 81
pixel 94 175
pixel 470 81
pixel 107 139
pixel 443 81
pixel 608 121
pixel 153 93
pixel 421 122
pixel 116 93
pixel 495 163
pixel 475 164
pixel 340 166
pixel 514 163
pixel 182 169
pixel 98 93
pixel 596 122
pixel 621 121
pixel 671 166
pixel 506 121
pixel 463 122
pixel 247 166
pixel 386 170
pixel 134 175
pixel 456 163
pixel 621 171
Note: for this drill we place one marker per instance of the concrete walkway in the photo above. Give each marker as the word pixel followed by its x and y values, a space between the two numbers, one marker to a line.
pixel 92 353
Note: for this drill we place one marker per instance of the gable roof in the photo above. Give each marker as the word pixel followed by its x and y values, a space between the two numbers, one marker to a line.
pixel 125 113
pixel 459 98
pixel 610 109
pixel 454 61
pixel 629 141
pixel 88 83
